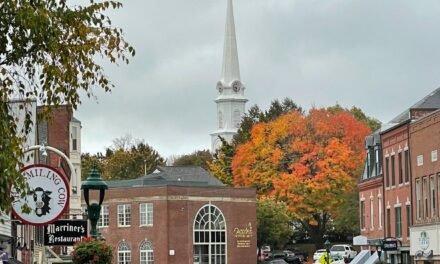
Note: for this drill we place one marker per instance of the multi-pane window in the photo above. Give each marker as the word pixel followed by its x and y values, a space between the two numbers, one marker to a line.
pixel 371 214
pixel 393 170
pixel 146 214
pixel 425 197
pixel 103 220
pixel 369 162
pixel 432 192
pixel 74 138
pixel 379 206
pixel 398 221
pixel 418 199
pixel 400 168
pixel 406 165
pixel 388 222
pixel 146 253
pixel 408 219
pixel 124 253
pixel 124 215
pixel 209 236
pixel 387 171
pixel 362 214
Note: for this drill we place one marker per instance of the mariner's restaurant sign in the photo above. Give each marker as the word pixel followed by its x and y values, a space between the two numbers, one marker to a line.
pixel 64 232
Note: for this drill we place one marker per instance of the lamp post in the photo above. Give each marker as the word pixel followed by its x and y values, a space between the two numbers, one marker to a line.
pixel 379 252
pixel 94 182
pixel 327 248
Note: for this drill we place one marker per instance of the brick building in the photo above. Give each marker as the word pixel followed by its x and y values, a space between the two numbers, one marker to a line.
pixel 425 232
pixel 397 195
pixel 62 132
pixel 179 215
pixel 371 192
pixel 394 204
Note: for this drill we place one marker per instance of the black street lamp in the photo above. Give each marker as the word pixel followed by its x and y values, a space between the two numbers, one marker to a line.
pixel 94 182
pixel 327 245
pixel 379 252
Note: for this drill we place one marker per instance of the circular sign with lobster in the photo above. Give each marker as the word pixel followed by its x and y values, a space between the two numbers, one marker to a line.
pixel 47 198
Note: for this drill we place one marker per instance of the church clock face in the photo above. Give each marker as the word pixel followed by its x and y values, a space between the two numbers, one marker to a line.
pixel 236 85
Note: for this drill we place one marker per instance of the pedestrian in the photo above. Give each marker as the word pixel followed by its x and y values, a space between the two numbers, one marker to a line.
pixel 4 258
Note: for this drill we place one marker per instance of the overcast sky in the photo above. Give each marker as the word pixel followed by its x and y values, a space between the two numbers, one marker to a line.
pixel 381 56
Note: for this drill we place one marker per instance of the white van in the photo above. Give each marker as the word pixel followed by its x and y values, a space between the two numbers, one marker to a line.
pixel 343 251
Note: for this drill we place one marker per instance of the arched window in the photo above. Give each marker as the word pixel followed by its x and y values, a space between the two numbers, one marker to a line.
pixel 124 253
pixel 146 252
pixel 237 118
pixel 209 236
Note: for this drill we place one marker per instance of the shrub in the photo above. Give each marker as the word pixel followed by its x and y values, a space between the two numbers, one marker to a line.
pixel 90 250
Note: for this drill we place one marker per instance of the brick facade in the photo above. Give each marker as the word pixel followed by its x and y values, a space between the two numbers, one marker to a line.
pixel 174 212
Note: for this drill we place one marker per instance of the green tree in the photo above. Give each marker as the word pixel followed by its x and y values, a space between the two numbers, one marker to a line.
pixel 220 166
pixel 88 162
pixel 273 223
pixel 357 113
pixel 50 51
pixel 255 116
pixel 197 158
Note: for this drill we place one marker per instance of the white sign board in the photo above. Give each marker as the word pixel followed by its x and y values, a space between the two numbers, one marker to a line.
pixel 48 197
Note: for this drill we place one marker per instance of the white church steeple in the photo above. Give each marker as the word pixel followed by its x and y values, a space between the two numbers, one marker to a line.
pixel 231 68
pixel 230 101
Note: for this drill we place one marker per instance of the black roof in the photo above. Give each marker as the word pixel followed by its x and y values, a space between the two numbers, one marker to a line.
pixel 171 175
pixel 431 101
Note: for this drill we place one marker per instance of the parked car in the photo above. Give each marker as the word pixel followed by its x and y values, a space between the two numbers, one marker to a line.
pixel 318 254
pixel 343 251
pixel 276 261
pixel 299 252
pixel 286 255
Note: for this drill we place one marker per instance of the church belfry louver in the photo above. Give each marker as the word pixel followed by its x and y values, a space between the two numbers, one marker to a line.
pixel 230 100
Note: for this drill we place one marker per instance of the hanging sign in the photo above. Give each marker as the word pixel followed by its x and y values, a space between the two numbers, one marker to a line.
pixel 389 245
pixel 48 195
pixel 64 232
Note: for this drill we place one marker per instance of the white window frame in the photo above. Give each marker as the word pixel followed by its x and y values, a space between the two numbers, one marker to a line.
pixel 425 197
pixel 420 160
pixel 103 216
pixel 146 214
pixel 74 138
pixel 124 253
pixel 434 155
pixel 418 200
pixel 124 215
pixel 146 253
pixel 371 213
pixel 398 222
pixel 210 224
pixel 379 205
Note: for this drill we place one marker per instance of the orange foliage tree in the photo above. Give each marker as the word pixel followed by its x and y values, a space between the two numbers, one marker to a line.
pixel 310 161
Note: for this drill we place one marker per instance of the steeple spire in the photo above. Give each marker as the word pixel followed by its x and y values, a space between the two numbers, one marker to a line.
pixel 231 70
pixel 230 100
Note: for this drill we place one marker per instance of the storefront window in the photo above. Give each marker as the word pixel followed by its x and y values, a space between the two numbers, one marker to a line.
pixel 209 236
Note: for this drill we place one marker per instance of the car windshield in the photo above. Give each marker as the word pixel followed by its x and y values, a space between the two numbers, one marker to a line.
pixel 338 248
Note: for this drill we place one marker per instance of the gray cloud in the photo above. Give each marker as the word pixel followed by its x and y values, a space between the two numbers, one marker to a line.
pixel 379 56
